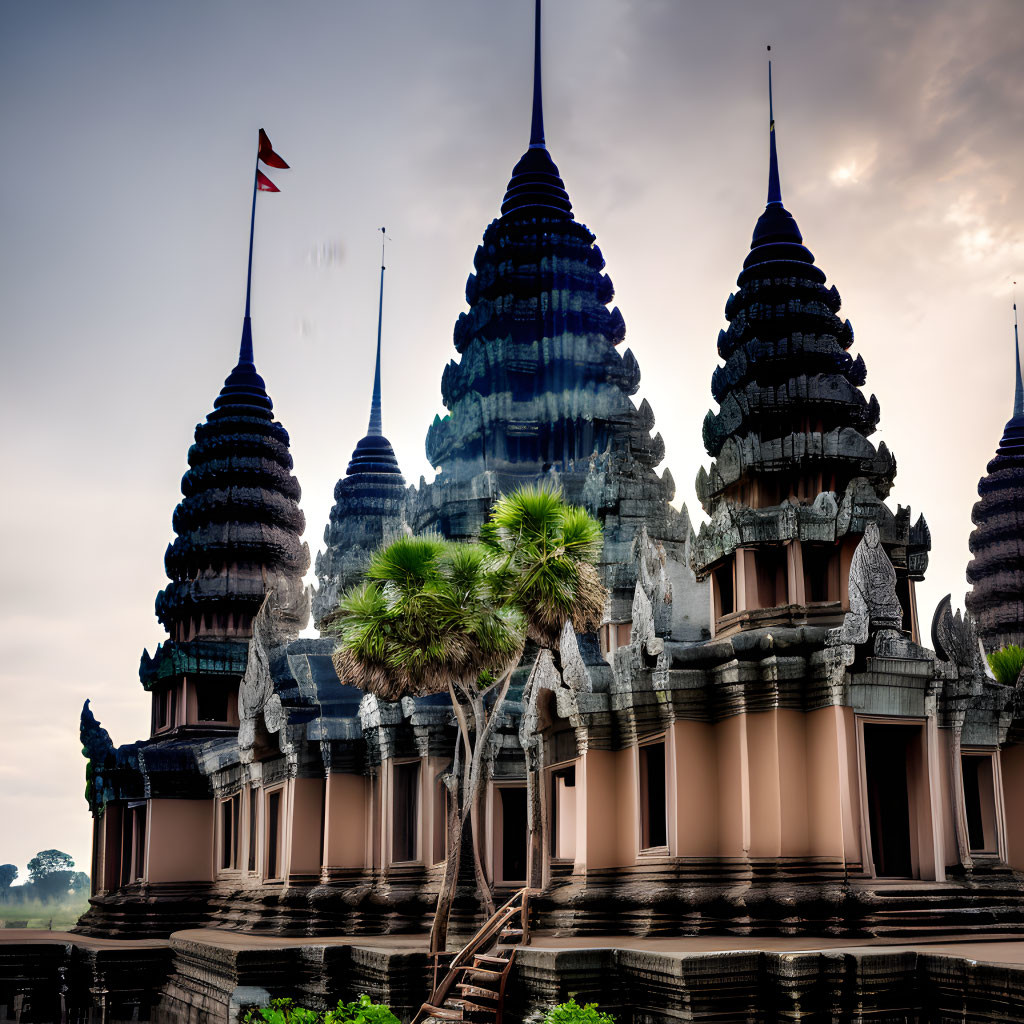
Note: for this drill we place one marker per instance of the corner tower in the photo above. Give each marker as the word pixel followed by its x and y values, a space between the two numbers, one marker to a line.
pixel 795 479
pixel 369 502
pixel 996 570
pixel 540 389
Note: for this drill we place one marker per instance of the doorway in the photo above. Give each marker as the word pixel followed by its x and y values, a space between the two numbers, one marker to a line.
pixel 888 769
pixel 513 833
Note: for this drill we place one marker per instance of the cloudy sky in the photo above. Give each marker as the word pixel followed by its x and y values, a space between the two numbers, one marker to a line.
pixel 129 133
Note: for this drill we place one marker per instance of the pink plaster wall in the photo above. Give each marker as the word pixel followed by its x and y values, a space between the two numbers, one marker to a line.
pixel 303 830
pixel 796 769
pixel 693 790
pixel 826 793
pixel 625 771
pixel 345 827
pixel 180 840
pixel 765 784
pixel 951 854
pixel 565 802
pixel 1012 758
pixel 733 793
pixel 600 821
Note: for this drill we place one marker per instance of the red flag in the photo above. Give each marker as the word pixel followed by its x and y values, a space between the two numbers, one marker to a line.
pixel 267 154
pixel 264 184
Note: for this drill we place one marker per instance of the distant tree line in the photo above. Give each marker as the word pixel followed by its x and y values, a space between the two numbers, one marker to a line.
pixel 52 879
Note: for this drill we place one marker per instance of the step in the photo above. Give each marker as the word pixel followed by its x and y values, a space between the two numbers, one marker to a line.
pixel 441 1012
pixel 477 992
pixel 485 958
pixel 481 975
pixel 469 1007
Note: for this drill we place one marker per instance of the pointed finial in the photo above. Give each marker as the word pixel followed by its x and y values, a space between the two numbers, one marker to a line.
pixel 1018 394
pixel 774 189
pixel 245 348
pixel 537 125
pixel 376 428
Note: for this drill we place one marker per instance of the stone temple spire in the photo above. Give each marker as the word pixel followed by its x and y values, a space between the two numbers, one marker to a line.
pixel 535 182
pixel 540 387
pixel 368 500
pixel 996 570
pixel 238 526
pixel 793 427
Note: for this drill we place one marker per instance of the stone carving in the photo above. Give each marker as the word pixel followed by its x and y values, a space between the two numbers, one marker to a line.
pixel 257 697
pixel 874 605
pixel 955 639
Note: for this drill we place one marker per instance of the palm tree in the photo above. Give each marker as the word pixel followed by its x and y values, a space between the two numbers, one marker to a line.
pixel 545 553
pixel 436 615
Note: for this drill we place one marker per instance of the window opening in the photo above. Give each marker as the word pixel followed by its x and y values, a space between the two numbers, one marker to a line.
pixel 405 810
pixel 253 804
pixel 563 812
pixel 273 834
pixel 979 802
pixel 724 589
pixel 653 791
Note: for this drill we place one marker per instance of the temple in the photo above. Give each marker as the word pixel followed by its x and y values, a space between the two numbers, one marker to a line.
pixel 758 741
pixel 996 572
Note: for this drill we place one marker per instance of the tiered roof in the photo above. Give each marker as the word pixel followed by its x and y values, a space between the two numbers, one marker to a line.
pixel 239 526
pixel 789 393
pixel 996 571
pixel 540 382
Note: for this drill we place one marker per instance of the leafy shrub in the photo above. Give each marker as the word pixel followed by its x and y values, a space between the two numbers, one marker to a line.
pixel 284 1011
pixel 1007 663
pixel 572 1013
pixel 362 1011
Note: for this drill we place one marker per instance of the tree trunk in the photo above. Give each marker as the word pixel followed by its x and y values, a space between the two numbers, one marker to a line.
pixel 466 795
pixel 450 879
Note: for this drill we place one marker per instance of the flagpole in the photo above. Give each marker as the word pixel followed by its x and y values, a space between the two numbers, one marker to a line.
pixel 245 353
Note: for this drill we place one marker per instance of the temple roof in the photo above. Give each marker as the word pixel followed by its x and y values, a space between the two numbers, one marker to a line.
pixel 539 383
pixel 789 391
pixel 239 526
pixel 996 569
pixel 535 181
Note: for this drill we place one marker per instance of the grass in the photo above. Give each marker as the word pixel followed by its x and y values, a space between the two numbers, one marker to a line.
pixel 39 915
pixel 1007 663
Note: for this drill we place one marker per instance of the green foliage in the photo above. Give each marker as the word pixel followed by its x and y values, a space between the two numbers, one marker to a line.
pixel 8 873
pixel 433 610
pixel 284 1011
pixel 51 874
pixel 362 1011
pixel 544 554
pixel 1007 663
pixel 572 1013
pixel 426 615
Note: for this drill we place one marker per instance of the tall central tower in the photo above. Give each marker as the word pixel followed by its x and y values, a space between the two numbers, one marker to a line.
pixel 540 390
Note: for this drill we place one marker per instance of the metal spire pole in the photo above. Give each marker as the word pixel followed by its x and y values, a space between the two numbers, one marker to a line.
pixel 376 428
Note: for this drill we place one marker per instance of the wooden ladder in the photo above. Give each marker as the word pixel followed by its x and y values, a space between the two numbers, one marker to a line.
pixel 473 989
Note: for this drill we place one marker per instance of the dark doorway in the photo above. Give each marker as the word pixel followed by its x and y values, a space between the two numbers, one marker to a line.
pixel 887 749
pixel 513 834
